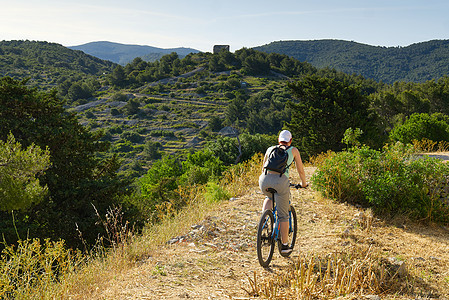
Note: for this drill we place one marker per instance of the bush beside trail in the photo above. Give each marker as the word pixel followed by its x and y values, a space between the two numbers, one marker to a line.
pixel 391 181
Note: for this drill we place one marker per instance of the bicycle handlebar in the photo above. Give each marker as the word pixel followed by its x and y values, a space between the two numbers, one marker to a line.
pixel 297 186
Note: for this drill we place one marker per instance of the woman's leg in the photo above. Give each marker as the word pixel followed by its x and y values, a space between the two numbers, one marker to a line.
pixel 284 232
pixel 267 204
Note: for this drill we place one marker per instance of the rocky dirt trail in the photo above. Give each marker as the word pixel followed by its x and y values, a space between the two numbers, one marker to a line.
pixel 217 259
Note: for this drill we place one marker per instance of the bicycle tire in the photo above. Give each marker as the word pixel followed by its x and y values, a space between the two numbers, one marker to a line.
pixel 265 242
pixel 293 228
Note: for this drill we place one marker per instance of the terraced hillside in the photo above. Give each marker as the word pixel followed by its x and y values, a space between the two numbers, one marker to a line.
pixel 171 116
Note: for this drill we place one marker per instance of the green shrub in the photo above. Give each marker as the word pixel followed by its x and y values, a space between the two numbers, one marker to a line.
pixel 107 136
pixel 152 100
pixel 115 129
pixel 391 181
pixel 132 107
pixel 227 148
pixel 119 97
pixel 335 179
pixel 141 130
pixel 215 193
pixel 200 167
pixel 422 126
pixel 115 112
pixel 229 95
pixel 132 136
pixel 164 107
pixel 150 106
pixel 151 150
pixel 215 123
pixel 90 115
pixel 164 133
pixel 160 186
pixel 200 90
pixel 122 147
pixel 186 125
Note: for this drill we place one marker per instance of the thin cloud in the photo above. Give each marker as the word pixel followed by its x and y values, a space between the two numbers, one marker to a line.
pixel 326 11
pixel 124 12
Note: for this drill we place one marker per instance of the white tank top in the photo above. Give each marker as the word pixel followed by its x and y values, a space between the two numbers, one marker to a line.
pixel 289 161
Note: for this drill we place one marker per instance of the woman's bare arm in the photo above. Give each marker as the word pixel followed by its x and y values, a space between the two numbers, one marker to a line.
pixel 299 166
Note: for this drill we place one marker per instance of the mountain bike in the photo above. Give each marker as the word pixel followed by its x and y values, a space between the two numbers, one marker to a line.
pixel 268 231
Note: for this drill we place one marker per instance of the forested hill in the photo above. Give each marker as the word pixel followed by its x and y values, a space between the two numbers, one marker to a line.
pixel 47 63
pixel 415 63
pixel 123 54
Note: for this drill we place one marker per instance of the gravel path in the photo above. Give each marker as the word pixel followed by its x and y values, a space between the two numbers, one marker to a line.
pixel 217 258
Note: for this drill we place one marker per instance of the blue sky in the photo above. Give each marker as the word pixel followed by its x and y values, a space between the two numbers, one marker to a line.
pixel 200 24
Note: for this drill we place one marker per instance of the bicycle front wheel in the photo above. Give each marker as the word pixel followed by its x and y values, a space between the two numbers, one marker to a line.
pixel 265 242
pixel 292 228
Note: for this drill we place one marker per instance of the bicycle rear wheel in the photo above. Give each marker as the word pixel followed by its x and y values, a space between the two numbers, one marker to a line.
pixel 293 227
pixel 265 242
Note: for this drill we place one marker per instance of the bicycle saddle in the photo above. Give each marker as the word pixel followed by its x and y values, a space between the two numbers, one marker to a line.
pixel 271 190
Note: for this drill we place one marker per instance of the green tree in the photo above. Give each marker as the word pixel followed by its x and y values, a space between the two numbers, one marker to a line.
pixel 115 112
pixel 19 168
pixel 325 109
pixel 119 97
pixel 132 136
pixel 151 150
pixel 434 127
pixel 256 65
pixel 78 91
pixel 215 123
pixel 214 64
pixel 235 110
pixel 351 137
pixel 200 167
pixel 387 106
pixel 132 107
pixel 118 77
pixel 161 180
pixel 78 178
pixel 227 148
pixel 228 59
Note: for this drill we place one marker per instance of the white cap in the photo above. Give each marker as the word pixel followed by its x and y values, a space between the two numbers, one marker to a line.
pixel 285 136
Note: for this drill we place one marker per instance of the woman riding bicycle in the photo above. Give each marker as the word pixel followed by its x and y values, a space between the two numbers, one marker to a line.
pixel 280 182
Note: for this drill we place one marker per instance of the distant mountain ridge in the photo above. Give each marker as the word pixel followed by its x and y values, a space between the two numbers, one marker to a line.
pixel 45 62
pixel 415 63
pixel 123 53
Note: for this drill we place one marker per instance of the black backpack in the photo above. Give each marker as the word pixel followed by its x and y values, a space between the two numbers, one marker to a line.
pixel 277 160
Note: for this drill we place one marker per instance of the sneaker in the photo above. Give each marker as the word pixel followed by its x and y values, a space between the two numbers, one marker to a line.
pixel 285 249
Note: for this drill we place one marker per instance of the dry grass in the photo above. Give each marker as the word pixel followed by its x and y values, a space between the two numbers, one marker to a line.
pixel 426 145
pixel 319 158
pixel 328 277
pixel 242 177
pixel 96 275
pixel 352 274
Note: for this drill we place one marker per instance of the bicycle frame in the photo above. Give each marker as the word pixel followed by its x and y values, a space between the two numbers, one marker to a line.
pixel 269 233
pixel 275 234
